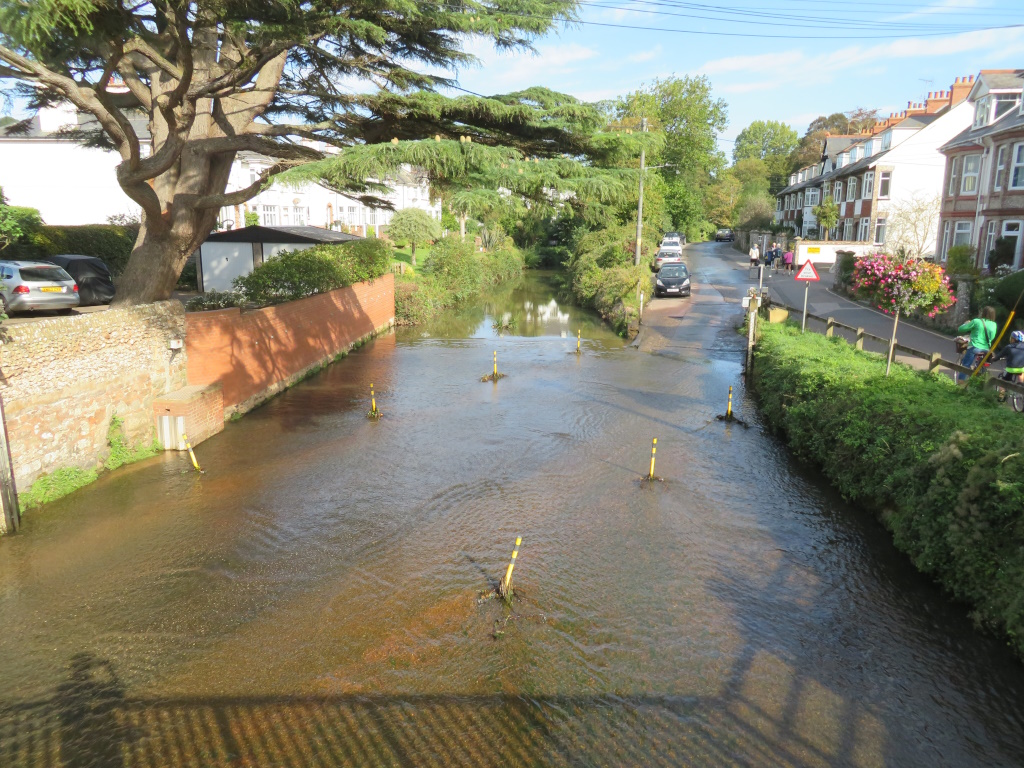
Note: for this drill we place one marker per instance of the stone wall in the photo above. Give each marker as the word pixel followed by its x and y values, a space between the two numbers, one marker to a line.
pixel 63 378
pixel 255 354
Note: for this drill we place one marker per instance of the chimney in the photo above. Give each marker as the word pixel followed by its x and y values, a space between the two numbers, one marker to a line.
pixel 958 92
pixel 937 101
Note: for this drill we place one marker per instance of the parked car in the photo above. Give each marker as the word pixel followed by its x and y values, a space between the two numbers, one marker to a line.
pixel 724 235
pixel 95 285
pixel 672 280
pixel 33 285
pixel 671 245
pixel 667 257
pixel 674 236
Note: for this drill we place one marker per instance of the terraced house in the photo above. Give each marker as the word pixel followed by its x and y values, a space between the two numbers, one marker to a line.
pixel 886 180
pixel 983 187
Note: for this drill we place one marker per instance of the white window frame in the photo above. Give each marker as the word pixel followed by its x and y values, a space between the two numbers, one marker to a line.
pixel 982 110
pixel 884 184
pixel 1016 165
pixel 864 229
pixel 952 188
pixel 867 189
pixel 268 215
pixel 880 230
pixel 962 231
pixel 778 204
pixel 812 197
pixel 990 241
pixel 946 228
pixel 997 175
pixel 1017 233
pixel 799 200
pixel 851 188
pixel 837 191
pixel 969 175
pixel 886 140
pixel 848 230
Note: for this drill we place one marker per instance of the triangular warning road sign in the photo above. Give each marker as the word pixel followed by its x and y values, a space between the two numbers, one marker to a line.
pixel 807 272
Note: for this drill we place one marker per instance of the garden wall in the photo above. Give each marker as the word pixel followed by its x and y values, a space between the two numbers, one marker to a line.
pixel 255 354
pixel 62 379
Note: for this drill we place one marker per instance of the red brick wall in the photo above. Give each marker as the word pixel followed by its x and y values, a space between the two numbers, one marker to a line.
pixel 255 354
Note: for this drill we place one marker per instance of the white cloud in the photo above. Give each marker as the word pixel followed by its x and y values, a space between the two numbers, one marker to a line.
pixel 503 71
pixel 642 56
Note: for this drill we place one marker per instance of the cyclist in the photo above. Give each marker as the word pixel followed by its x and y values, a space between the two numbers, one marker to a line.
pixel 1013 354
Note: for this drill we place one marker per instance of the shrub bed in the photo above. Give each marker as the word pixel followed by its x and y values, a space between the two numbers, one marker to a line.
pixel 453 272
pixel 943 467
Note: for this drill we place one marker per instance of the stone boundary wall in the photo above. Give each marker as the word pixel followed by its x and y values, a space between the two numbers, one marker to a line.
pixel 62 379
pixel 256 354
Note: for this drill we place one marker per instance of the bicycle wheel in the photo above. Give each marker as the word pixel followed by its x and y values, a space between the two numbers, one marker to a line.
pixel 1017 401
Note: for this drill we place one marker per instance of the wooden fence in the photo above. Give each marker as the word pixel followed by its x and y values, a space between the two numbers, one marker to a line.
pixel 935 359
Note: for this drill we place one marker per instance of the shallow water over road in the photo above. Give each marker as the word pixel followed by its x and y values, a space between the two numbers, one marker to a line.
pixel 313 599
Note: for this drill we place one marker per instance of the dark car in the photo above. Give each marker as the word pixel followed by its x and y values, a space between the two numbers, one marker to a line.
pixel 724 235
pixel 672 280
pixel 92 276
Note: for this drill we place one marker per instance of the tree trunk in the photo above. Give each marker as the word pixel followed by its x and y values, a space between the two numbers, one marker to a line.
pixel 462 227
pixel 892 343
pixel 414 254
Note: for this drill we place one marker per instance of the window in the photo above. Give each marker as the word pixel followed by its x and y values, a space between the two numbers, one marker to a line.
pixel 812 197
pixel 864 229
pixel 1004 103
pixel 886 140
pixel 848 230
pixel 840 161
pixel 879 231
pixel 851 189
pixel 981 112
pixel 1017 167
pixel 778 204
pixel 1011 232
pixel 868 187
pixel 951 190
pixel 269 215
pixel 800 200
pixel 284 215
pixel 997 175
pixel 254 173
pixel 990 240
pixel 786 206
pixel 972 167
pixel 884 182
pixel 837 192
pixel 299 216
pixel 945 239
pixel 962 233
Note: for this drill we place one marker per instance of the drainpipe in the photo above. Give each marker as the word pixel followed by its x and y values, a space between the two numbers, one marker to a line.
pixel 983 181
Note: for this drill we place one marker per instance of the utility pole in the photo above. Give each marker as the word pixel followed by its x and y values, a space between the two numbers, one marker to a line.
pixel 640 206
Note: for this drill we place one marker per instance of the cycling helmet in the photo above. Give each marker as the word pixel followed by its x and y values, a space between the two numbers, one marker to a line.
pixel 1017 336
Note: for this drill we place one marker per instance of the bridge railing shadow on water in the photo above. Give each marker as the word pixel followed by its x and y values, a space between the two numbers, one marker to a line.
pixel 90 722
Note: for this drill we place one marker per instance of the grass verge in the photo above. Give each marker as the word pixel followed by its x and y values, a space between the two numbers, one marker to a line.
pixel 942 467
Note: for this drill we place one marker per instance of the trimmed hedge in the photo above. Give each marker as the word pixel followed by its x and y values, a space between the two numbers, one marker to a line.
pixel 112 243
pixel 295 274
pixel 943 467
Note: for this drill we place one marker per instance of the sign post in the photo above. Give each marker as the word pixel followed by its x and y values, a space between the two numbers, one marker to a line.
pixel 807 273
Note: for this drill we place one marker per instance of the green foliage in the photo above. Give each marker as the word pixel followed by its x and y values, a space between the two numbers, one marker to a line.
pixel 214 300
pixel 942 466
pixel 847 262
pixel 55 486
pixel 413 225
pixel 771 142
pixel 827 214
pixel 16 223
pixel 295 274
pixel 453 265
pixel 504 264
pixel 960 260
pixel 188 280
pixel 121 452
pixel 112 243
pixel 252 219
pixel 1002 253
pixel 1008 290
pixel 898 286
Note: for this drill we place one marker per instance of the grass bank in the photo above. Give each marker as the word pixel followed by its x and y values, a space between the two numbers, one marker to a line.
pixel 451 273
pixel 942 467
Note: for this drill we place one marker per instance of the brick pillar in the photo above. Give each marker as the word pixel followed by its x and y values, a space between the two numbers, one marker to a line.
pixel 962 309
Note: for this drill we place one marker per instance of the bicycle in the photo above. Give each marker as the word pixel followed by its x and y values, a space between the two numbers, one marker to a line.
pixel 1015 398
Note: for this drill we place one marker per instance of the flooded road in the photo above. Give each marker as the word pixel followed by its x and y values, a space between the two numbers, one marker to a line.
pixel 314 598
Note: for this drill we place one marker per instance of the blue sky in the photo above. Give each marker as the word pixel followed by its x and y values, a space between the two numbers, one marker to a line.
pixel 893 52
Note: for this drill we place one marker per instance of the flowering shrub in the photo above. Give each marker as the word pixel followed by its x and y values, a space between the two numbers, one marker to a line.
pixel 899 287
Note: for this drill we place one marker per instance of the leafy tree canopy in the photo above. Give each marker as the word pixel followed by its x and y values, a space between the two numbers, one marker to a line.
pixel 179 88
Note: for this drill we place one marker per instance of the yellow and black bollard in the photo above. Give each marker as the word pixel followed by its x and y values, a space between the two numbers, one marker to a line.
pixel 654 450
pixel 505 588
pixel 495 375
pixel 191 454
pixel 578 340
pixel 728 408
pixel 373 412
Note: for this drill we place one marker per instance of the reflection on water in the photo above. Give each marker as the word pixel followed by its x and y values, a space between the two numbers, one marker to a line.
pixel 313 599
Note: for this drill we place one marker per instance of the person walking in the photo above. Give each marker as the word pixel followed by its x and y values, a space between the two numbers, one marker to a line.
pixel 755 255
pixel 787 260
pixel 983 332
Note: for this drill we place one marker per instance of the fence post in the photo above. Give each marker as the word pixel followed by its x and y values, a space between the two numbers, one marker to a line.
pixel 829 323
pixel 859 344
pixel 933 361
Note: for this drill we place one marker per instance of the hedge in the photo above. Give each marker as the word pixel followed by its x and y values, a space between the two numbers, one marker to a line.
pixel 112 243
pixel 942 466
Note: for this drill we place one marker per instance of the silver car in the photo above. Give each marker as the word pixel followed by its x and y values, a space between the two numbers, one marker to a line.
pixel 36 285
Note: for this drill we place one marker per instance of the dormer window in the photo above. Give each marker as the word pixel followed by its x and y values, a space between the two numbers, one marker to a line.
pixel 886 140
pixel 840 161
pixel 981 112
pixel 990 108
pixel 1004 103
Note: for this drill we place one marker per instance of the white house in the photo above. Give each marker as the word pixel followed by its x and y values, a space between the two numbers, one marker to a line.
pixel 71 184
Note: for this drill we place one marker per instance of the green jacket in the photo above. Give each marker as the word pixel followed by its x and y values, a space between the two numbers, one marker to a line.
pixel 983 332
